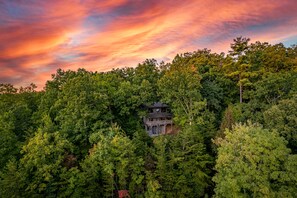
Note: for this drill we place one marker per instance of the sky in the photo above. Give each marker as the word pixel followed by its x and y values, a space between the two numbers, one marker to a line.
pixel 37 37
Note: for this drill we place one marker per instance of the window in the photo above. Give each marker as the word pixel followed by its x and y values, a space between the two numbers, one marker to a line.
pixel 154 130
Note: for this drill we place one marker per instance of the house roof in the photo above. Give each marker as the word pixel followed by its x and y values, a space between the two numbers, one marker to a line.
pixel 157 105
pixel 159 115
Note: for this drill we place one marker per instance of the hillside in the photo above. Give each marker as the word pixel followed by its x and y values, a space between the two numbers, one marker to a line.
pixel 83 135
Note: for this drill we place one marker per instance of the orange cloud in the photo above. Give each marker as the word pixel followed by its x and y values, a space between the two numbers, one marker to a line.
pixel 38 38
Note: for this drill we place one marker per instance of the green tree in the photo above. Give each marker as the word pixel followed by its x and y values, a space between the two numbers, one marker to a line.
pixel 182 165
pixel 7 89
pixel 42 163
pixel 238 65
pixel 28 89
pixel 9 144
pixel 277 58
pixel 52 90
pixel 254 162
pixel 228 120
pixel 82 108
pixel 147 70
pixel 283 118
pixel 38 171
pixel 274 87
pixel 180 88
pixel 209 66
pixel 12 180
pixel 114 154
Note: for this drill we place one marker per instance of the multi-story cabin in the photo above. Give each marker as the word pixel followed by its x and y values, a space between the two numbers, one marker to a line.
pixel 158 120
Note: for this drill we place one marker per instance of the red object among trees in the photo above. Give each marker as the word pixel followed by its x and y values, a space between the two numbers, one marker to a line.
pixel 123 193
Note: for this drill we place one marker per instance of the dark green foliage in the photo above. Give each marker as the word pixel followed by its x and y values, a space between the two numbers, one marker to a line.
pixel 39 170
pixel 12 181
pixel 83 136
pixel 273 87
pixel 283 118
pixel 228 120
pixel 182 166
pixel 180 88
pixel 9 144
pixel 82 108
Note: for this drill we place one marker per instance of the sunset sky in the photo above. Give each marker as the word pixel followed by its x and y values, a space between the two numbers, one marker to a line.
pixel 38 37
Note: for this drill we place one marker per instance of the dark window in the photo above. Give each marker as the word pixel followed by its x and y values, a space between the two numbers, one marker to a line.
pixel 154 130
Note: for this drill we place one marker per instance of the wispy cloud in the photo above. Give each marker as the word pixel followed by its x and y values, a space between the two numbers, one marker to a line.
pixel 37 37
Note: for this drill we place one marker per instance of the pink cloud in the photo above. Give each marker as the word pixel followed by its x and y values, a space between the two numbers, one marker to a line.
pixel 100 35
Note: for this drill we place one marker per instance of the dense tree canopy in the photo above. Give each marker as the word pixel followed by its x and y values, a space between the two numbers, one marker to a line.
pixel 82 136
pixel 254 162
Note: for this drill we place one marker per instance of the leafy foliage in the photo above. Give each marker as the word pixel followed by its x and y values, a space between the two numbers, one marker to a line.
pixel 83 136
pixel 258 157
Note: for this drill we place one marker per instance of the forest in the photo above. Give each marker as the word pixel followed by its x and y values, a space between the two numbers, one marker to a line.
pixel 83 135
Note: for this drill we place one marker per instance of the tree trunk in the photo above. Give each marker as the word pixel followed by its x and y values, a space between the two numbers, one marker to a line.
pixel 240 92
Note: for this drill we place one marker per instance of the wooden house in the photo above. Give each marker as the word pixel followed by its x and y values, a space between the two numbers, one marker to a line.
pixel 158 120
